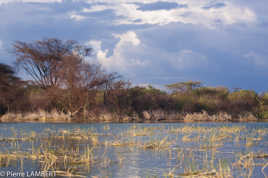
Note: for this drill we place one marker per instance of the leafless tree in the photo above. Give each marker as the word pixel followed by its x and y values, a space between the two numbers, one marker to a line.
pixel 80 81
pixel 42 60
pixel 118 98
pixel 110 80
pixel 59 67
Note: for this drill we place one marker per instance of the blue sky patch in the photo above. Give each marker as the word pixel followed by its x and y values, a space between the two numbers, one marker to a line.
pixel 157 42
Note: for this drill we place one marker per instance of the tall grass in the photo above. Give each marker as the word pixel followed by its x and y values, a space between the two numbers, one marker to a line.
pixel 194 151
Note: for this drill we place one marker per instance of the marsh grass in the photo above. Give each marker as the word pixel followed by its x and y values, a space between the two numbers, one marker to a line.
pixel 39 116
pixel 196 151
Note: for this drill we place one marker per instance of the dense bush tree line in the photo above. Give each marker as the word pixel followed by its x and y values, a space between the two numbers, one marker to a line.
pixel 62 80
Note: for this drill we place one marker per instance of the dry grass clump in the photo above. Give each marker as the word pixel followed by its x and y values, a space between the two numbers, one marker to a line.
pixel 158 145
pixel 107 117
pixel 204 116
pixel 248 162
pixel 221 116
pixel 199 174
pixel 208 130
pixel 247 117
pixel 39 116
pixel 120 143
pixel 53 156
pixel 195 151
pixel 146 131
pixel 10 117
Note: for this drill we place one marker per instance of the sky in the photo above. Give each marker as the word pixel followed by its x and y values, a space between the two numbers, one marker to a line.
pixel 157 42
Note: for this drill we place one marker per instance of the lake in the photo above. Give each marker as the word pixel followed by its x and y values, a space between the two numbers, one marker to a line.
pixel 134 149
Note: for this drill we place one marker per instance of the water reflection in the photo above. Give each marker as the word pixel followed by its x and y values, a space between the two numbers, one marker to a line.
pixel 136 150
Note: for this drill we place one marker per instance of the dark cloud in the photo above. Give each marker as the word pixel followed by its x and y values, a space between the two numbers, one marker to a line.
pixel 233 55
pixel 224 49
pixel 160 6
pixel 215 6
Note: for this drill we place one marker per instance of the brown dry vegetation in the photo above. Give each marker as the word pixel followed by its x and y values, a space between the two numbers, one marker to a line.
pixel 194 151
pixel 63 82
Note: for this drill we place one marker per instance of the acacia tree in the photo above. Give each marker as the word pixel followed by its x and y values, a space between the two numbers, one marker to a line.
pixel 109 85
pixel 42 60
pixel 184 86
pixel 80 81
pixel 59 68
pixel 118 99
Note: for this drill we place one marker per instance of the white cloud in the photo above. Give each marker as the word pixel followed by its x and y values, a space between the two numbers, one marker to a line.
pixel 148 85
pixel 96 8
pixel 1 47
pixel 129 37
pixel 96 45
pixel 29 1
pixel 76 17
pixel 128 12
pixel 119 60
pixel 188 59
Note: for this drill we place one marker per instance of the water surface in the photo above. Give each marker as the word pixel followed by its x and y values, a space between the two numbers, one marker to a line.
pixel 139 150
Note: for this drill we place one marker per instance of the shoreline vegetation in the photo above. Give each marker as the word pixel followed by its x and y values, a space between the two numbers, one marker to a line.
pixel 64 86
pixel 153 117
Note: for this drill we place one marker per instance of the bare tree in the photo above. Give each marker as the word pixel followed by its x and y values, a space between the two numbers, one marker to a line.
pixel 80 81
pixel 42 60
pixel 110 80
pixel 59 67
pixel 118 99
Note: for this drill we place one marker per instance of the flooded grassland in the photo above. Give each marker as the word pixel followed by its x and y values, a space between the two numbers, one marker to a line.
pixel 217 150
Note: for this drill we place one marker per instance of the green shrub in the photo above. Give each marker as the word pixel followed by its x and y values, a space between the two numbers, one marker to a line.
pixel 264 99
pixel 263 114
pixel 243 101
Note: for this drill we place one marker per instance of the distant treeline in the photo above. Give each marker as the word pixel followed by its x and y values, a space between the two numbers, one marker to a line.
pixel 61 79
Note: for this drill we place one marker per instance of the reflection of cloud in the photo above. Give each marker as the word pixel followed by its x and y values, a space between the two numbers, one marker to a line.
pixel 129 12
pixel 120 59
